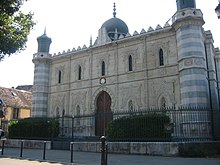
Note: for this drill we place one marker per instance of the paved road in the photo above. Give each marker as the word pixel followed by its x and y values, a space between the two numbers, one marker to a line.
pixel 59 157
pixel 13 161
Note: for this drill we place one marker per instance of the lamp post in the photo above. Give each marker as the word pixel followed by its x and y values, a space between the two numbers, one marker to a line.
pixel 62 124
pixel 72 127
pixel 217 10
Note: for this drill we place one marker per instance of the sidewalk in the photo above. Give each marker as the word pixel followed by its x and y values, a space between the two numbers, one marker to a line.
pixel 59 157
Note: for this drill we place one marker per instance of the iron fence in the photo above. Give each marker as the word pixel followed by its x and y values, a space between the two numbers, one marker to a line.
pixel 185 124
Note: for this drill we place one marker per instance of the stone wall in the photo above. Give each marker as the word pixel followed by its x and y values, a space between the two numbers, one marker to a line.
pixel 141 148
pixel 198 149
pixel 192 149
pixel 31 144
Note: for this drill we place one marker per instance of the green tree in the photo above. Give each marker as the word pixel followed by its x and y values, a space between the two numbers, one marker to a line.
pixel 15 26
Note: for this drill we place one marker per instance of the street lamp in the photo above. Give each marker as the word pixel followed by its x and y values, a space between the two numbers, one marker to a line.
pixel 217 10
pixel 72 127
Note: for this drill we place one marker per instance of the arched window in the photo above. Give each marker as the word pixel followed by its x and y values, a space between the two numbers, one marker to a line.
pixel 130 106
pixel 130 63
pixel 80 73
pixel 103 68
pixel 59 76
pixel 57 112
pixel 161 57
pixel 163 103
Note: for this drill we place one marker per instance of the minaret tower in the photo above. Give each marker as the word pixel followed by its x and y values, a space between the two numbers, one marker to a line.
pixel 188 22
pixel 41 61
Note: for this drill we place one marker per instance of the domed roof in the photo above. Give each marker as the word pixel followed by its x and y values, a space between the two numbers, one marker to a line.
pixel 115 25
pixel 44 38
pixel 44 43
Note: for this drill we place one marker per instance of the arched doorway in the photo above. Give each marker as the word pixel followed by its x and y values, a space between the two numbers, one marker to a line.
pixel 103 114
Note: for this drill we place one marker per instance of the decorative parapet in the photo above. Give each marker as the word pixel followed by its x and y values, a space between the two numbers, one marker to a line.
pixel 143 31
pixel 41 55
pixel 150 29
pixel 158 27
pixel 121 37
pixel 166 25
pixel 182 14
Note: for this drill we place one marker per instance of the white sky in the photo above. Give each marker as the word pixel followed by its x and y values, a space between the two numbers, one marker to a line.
pixel 70 23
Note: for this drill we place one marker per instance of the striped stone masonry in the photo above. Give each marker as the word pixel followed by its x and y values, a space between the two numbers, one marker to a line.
pixel 41 83
pixel 191 58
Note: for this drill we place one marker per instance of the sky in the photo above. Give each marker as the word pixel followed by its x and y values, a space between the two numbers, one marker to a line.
pixel 71 23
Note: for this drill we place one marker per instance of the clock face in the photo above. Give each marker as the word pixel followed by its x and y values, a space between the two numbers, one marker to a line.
pixel 102 80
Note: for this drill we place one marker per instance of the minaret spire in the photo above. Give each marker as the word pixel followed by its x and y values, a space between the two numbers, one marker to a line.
pixel 183 4
pixel 90 44
pixel 114 10
pixel 45 30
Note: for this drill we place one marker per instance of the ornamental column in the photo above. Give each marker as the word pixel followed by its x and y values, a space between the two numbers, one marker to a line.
pixel 188 22
pixel 41 60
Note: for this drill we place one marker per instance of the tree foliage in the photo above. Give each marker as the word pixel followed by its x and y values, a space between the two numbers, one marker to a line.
pixel 33 128
pixel 147 127
pixel 15 26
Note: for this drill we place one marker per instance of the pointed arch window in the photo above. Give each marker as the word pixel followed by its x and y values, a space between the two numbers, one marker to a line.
pixel 103 68
pixel 80 73
pixel 130 63
pixel 57 112
pixel 130 106
pixel 161 57
pixel 163 103
pixel 59 76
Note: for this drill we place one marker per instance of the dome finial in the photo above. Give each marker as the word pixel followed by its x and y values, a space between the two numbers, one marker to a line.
pixel 114 10
pixel 45 30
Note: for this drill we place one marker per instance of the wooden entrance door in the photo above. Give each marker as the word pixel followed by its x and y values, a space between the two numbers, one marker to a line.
pixel 103 114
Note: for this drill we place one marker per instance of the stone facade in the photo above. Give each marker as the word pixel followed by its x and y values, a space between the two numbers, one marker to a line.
pixel 146 85
pixel 172 65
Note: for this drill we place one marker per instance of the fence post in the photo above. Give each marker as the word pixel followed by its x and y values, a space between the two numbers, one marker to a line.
pixel 71 151
pixel 21 150
pixel 106 153
pixel 72 127
pixel 103 151
pixel 3 146
pixel 44 151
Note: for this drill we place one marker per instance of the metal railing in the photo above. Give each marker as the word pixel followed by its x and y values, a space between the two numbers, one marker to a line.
pixel 186 124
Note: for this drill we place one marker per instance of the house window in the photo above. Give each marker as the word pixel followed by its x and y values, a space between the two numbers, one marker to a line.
pixel 103 68
pixel 80 73
pixel 161 57
pixel 15 113
pixel 59 76
pixel 1 103
pixel 130 63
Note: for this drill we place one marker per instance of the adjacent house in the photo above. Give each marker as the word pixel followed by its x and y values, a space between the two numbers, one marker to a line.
pixel 17 103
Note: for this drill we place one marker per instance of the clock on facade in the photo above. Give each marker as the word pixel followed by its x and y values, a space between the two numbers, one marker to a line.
pixel 102 80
